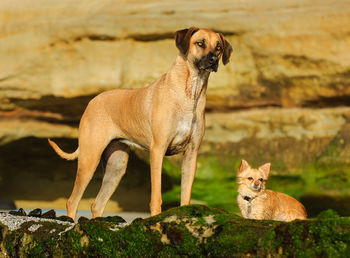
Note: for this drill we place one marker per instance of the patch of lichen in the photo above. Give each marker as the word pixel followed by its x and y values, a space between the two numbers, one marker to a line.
pixel 3 232
pixel 39 242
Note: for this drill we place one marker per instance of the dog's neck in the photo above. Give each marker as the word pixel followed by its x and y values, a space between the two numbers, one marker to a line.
pixel 193 81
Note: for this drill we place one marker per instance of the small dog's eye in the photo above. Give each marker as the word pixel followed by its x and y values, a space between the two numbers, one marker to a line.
pixel 260 179
pixel 250 178
pixel 218 48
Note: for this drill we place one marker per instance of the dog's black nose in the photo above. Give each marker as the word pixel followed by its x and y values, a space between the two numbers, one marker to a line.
pixel 212 58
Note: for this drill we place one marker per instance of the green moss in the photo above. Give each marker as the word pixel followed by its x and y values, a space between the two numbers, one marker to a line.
pixel 101 238
pixel 10 243
pixel 191 231
pixel 72 240
pixel 326 236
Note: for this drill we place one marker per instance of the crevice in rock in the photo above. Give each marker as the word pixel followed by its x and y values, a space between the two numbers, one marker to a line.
pixel 61 109
pixel 306 62
pixel 151 36
pixel 96 38
pixel 212 108
pixel 229 33
pixel 323 102
pixel 24 114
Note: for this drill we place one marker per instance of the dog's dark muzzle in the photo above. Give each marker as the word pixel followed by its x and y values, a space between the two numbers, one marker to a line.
pixel 208 63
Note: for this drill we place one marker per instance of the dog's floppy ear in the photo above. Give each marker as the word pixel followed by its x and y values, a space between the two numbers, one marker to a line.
pixel 243 166
pixel 182 39
pixel 227 50
pixel 266 170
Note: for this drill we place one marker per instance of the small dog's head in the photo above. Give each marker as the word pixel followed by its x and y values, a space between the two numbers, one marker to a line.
pixel 254 179
pixel 203 48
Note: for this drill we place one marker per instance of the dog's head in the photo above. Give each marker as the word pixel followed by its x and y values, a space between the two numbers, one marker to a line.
pixel 203 48
pixel 253 179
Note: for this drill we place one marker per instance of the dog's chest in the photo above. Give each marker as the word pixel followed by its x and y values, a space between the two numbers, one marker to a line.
pixel 245 206
pixel 182 136
pixel 253 207
pixel 183 129
pixel 197 85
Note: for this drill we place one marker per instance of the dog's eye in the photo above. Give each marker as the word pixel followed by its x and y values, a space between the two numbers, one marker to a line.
pixel 218 48
pixel 200 44
pixel 250 178
pixel 260 179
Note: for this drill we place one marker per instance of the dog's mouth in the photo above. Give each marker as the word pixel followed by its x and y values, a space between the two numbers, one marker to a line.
pixel 205 64
pixel 208 68
pixel 212 68
pixel 256 187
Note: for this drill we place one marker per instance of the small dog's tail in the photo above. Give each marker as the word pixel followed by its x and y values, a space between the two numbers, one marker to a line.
pixel 65 155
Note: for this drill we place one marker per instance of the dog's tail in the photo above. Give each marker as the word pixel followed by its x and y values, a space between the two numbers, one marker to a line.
pixel 65 155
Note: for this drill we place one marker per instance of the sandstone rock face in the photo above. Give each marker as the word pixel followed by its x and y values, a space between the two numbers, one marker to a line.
pixel 284 96
pixel 291 136
pixel 285 53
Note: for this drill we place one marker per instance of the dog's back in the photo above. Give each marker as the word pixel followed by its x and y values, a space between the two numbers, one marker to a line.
pixel 283 207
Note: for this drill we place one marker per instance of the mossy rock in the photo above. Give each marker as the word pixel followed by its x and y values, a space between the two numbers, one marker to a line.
pixel 115 219
pixel 193 230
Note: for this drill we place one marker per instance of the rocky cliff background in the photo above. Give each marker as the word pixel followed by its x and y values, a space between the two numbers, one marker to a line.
pixel 284 97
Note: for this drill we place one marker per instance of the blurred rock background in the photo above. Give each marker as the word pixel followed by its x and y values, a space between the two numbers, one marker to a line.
pixel 284 97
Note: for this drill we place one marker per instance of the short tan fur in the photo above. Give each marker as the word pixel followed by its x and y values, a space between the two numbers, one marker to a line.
pixel 166 118
pixel 255 202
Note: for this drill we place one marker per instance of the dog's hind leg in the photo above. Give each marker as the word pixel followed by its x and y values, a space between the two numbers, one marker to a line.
pixel 116 158
pixel 90 151
pixel 84 175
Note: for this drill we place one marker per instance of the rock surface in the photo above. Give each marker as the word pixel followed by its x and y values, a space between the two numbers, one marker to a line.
pixel 284 97
pixel 186 231
pixel 289 136
pixel 286 53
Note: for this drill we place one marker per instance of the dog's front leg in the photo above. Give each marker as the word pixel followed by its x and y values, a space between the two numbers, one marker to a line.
pixel 189 162
pixel 188 171
pixel 156 156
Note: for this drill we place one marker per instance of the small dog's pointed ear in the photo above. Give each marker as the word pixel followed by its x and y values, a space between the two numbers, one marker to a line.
pixel 265 169
pixel 182 39
pixel 227 50
pixel 243 166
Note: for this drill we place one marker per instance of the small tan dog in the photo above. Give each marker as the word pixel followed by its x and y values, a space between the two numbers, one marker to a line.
pixel 165 118
pixel 257 203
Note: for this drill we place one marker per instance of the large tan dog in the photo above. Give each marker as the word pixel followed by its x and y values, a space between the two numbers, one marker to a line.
pixel 166 118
